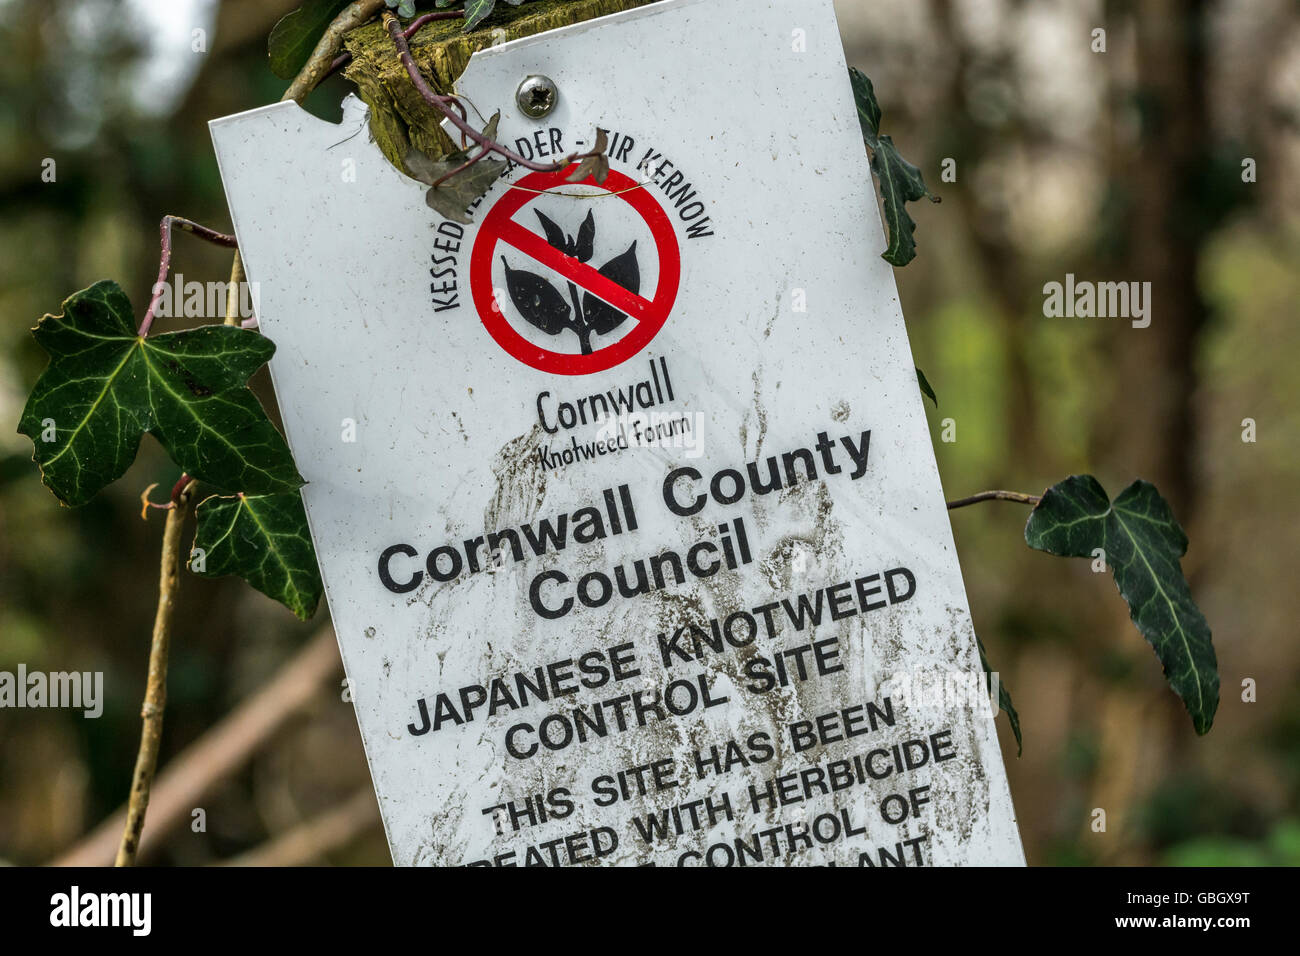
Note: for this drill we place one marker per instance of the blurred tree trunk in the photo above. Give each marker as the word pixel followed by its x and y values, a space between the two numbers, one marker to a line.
pixel 1148 428
pixel 999 256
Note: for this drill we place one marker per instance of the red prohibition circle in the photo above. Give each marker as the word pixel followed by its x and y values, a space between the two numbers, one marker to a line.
pixel 649 314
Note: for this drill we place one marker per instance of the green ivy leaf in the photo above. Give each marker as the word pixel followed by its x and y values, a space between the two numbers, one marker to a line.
pixel 864 97
pixel 1142 544
pixel 477 10
pixel 1004 698
pixel 296 35
pixel 926 389
pixel 900 181
pixel 105 387
pixel 264 540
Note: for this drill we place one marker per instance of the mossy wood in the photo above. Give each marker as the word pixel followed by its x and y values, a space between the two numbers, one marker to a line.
pixel 399 117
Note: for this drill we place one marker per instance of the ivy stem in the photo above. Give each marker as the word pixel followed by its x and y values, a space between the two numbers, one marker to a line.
pixel 996 496
pixel 155 696
pixel 165 259
pixel 446 105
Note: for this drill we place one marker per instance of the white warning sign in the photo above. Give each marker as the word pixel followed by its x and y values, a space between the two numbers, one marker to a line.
pixel 639 554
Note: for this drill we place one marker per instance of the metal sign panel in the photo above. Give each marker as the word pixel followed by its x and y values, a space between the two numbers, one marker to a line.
pixel 624 496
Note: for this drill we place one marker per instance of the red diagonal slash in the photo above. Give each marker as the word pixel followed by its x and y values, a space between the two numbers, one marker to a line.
pixel 583 275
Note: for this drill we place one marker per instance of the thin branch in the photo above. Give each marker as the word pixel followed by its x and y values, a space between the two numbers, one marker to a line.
pixel 996 496
pixel 321 61
pixel 155 698
pixel 449 107
pixel 234 290
pixel 165 258
pixel 208 762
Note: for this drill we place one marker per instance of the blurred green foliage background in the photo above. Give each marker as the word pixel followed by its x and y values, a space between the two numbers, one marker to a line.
pixel 1116 165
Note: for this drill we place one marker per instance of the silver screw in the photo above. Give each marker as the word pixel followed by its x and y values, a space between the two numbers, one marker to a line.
pixel 537 96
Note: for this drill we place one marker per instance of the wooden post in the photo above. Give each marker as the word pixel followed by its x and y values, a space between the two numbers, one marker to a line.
pixel 399 117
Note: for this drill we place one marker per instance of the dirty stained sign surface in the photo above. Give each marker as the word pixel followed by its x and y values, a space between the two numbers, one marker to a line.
pixel 624 496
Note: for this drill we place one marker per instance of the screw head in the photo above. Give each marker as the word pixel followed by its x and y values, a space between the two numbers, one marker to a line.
pixel 537 96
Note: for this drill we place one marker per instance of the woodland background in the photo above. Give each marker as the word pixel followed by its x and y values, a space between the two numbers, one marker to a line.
pixel 1117 166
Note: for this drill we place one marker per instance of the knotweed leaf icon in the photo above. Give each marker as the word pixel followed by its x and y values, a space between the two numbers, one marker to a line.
pixel 537 300
pixel 543 306
pixel 602 317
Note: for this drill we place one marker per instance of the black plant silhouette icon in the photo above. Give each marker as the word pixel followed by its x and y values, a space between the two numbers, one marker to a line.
pixel 544 306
